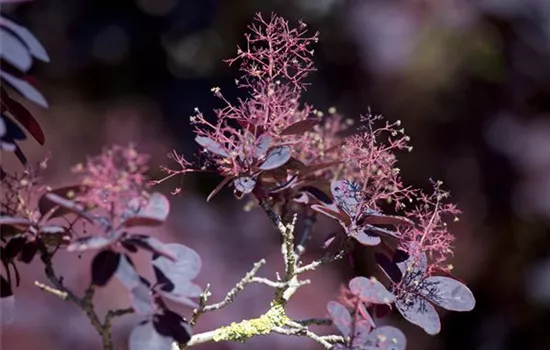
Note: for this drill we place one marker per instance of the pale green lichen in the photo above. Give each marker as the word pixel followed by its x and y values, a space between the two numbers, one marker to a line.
pixel 241 331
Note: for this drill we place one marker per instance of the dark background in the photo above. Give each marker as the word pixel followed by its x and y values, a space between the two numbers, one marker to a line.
pixel 470 81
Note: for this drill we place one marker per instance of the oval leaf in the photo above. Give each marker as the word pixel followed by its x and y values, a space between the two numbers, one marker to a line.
pixel 153 213
pixel 34 46
pixel 449 293
pixel 173 325
pixel 14 51
pixel 341 317
pixel 244 184
pixel 25 89
pixel 126 273
pixel 104 265
pixel 419 312
pixel 185 268
pixel 366 239
pixel 276 157
pixel 300 127
pixel 212 146
pixel 145 337
pixel 94 242
pixel 371 290
pixel 386 338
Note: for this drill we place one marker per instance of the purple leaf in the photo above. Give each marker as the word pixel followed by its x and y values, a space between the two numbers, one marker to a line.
pixel 126 273
pixel 276 157
pixel 370 290
pixel 420 312
pixel 450 294
pixel 380 230
pixel 149 243
pixel 366 239
pixel 14 51
pixel 20 223
pixel 34 46
pixel 142 299
pixel 374 218
pixel 61 201
pixel 104 266
pixel 25 89
pixel 183 270
pixel 317 194
pixel 172 325
pixel 261 146
pixel 347 195
pixel 212 146
pixel 386 338
pixel 329 210
pixel 95 242
pixel 244 184
pixel 153 213
pixel 145 337
pixel 414 264
pixel 182 292
pixel 341 317
pixel 360 334
pixel 300 127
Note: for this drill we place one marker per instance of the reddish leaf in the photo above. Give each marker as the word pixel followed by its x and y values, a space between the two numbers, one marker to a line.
pixel 219 187
pixel 300 127
pixel 373 218
pixel 25 118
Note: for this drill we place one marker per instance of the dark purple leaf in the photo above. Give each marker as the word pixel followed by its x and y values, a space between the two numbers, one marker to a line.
pixel 374 218
pixel 381 310
pixel 104 266
pixel 219 187
pixel 212 146
pixel 388 267
pixel 244 184
pixel 149 243
pixel 386 338
pixel 371 290
pixel 276 157
pixel 400 256
pixel 12 131
pixel 145 337
pixel 95 242
pixel 300 127
pixel 329 210
pixel 317 193
pixel 420 312
pixel 129 246
pixel 449 293
pixel 33 45
pixel 153 213
pixel 5 288
pixel 13 248
pixel 172 325
pixel 380 230
pixel 25 118
pixel 341 317
pixel 28 252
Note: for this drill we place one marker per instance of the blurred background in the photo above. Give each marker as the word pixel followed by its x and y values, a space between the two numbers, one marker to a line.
pixel 470 80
